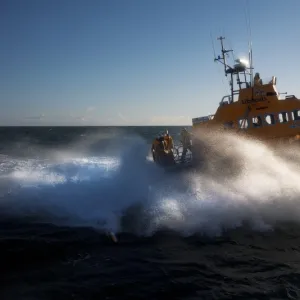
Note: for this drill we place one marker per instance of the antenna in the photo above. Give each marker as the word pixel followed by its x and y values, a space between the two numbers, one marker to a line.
pixel 212 42
pixel 221 38
pixel 223 58
pixel 235 71
pixel 250 41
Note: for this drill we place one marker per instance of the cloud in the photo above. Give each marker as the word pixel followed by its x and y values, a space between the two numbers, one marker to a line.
pixel 86 116
pixel 89 116
pixel 39 117
pixel 121 116
pixel 80 118
pixel 170 120
pixel 90 109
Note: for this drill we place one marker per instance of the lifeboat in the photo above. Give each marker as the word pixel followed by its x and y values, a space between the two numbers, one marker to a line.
pixel 253 109
pixel 171 154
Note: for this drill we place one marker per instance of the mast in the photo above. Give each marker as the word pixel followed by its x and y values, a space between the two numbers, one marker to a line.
pixel 223 58
pixel 239 68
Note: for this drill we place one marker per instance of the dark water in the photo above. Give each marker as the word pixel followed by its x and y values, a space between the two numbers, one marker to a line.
pixel 85 216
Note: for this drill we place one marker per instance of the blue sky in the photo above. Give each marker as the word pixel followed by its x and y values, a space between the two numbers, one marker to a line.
pixel 134 62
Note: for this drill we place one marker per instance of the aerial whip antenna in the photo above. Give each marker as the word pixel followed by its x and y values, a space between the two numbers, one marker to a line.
pixel 250 41
pixel 213 46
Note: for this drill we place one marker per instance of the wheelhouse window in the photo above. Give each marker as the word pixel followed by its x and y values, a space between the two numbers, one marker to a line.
pixel 270 119
pixel 256 121
pixel 243 123
pixel 228 125
pixel 296 114
pixel 283 117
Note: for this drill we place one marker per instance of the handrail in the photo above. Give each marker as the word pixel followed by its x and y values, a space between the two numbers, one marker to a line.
pixel 178 149
pixel 290 96
pixel 225 97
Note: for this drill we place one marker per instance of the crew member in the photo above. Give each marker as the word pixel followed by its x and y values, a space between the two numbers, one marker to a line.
pixel 169 148
pixel 154 148
pixel 185 139
pixel 169 141
pixel 257 80
pixel 158 148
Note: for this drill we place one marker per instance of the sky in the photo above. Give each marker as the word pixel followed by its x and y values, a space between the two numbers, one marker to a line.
pixel 135 62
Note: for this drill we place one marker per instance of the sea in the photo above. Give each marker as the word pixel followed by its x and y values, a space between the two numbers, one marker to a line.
pixel 86 214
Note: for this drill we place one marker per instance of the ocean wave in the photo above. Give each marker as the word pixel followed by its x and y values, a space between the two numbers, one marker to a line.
pixel 124 191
